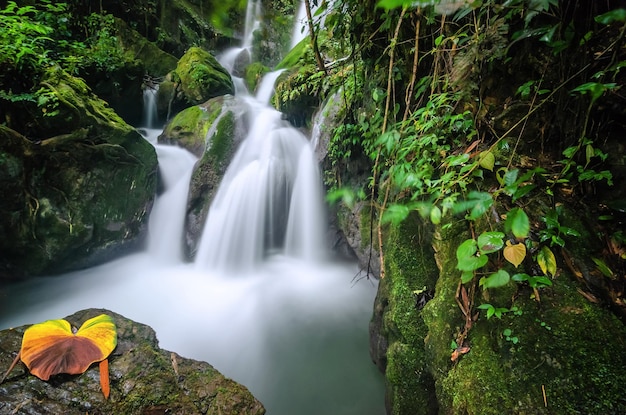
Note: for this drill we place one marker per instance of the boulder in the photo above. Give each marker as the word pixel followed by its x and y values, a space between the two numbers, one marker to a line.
pixel 211 131
pixel 197 78
pixel 144 379
pixel 76 199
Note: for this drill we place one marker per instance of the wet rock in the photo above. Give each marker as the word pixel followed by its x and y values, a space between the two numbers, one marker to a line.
pixel 144 380
pixel 212 131
pixel 76 199
pixel 197 78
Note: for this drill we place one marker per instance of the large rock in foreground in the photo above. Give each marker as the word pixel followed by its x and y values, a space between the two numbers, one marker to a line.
pixel 144 380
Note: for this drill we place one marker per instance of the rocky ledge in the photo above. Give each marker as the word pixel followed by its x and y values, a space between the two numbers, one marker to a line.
pixel 144 380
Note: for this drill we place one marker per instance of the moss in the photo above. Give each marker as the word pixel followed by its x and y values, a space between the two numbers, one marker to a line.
pixel 409 268
pixel 253 75
pixel 221 143
pixel 567 347
pixel 202 77
pixel 155 61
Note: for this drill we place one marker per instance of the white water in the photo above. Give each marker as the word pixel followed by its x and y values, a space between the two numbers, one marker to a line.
pixel 262 303
pixel 300 27
pixel 149 106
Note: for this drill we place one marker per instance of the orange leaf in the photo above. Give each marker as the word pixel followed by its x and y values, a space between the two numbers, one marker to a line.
pixel 104 378
pixel 51 347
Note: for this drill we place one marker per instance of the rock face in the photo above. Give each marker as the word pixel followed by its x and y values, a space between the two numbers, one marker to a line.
pixel 76 199
pixel 197 78
pixel 144 380
pixel 213 132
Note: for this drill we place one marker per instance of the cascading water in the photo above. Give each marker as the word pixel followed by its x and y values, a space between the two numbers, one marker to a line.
pixel 292 326
pixel 150 116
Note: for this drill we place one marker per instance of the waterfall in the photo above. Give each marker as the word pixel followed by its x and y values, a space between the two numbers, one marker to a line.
pixel 300 27
pixel 167 219
pixel 269 200
pixel 150 117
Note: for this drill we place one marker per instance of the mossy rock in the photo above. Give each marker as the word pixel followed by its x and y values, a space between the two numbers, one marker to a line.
pixel 189 128
pixel 397 330
pixel 155 61
pixel 144 379
pixel 297 96
pixel 198 77
pixel 562 355
pixel 225 130
pixel 79 198
pixel 254 74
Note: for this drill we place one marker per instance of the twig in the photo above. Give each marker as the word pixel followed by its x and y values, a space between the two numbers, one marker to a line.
pixel 17 359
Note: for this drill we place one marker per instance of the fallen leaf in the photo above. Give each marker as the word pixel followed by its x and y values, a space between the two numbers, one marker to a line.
pixel 51 347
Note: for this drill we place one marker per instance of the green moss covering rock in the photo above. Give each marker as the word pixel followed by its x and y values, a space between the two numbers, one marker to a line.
pixel 144 380
pixel 567 356
pixel 397 329
pixel 254 74
pixel 197 78
pixel 225 127
pixel 80 197
pixel 188 129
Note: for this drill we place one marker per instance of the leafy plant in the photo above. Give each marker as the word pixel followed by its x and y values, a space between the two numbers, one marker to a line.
pixel 493 311
pixel 555 231
pixel 508 335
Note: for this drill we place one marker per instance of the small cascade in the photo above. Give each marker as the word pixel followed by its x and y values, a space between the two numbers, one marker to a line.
pixel 253 15
pixel 300 26
pixel 266 88
pixel 167 219
pixel 150 117
pixel 262 203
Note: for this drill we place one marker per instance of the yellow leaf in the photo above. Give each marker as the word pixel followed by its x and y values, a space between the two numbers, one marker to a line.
pixel 546 261
pixel 50 348
pixel 515 254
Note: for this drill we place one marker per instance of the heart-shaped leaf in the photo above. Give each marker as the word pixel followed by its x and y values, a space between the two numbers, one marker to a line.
pixel 515 254
pixel 51 347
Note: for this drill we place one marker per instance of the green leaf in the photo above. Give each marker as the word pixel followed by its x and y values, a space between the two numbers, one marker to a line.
pixel 466 276
pixel 517 222
pixel 466 258
pixel 392 4
pixel 617 15
pixel 457 160
pixel 546 261
pixel 489 242
pixel 435 215
pixel 487 160
pixel 395 214
pixel 604 269
pixel 520 277
pixel 495 280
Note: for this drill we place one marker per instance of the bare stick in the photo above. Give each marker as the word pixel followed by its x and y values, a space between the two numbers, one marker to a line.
pixel 17 359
